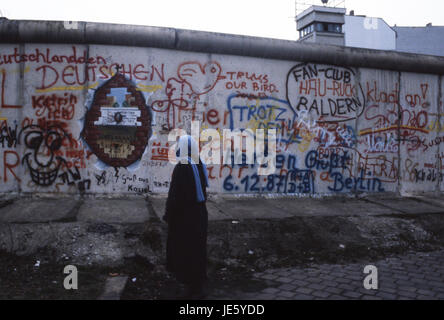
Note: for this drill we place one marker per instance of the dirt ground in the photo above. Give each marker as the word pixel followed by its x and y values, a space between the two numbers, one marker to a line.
pixel 39 277
pixel 236 251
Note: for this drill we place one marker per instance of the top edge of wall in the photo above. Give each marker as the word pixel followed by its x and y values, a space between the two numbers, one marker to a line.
pixel 31 31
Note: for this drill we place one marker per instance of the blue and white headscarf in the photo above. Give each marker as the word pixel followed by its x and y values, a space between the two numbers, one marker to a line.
pixel 188 152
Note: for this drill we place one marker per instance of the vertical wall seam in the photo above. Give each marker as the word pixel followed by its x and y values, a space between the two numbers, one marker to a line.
pixel 438 159
pixel 356 152
pixel 399 133
pixel 85 97
pixel 21 102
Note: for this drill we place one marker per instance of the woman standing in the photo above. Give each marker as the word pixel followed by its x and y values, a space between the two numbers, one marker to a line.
pixel 187 218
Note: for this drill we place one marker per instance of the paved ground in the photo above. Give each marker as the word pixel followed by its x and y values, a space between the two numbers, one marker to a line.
pixel 222 208
pixel 415 276
pixel 138 210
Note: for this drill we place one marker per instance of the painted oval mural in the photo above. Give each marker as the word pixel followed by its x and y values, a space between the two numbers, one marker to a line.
pixel 118 123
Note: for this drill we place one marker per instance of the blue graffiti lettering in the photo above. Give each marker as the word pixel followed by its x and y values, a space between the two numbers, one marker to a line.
pixel 355 184
pixel 326 162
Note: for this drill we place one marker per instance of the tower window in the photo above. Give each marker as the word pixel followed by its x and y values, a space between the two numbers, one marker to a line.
pixel 328 27
pixel 307 30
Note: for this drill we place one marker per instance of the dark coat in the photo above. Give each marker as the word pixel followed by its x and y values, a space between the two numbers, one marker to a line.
pixel 187 227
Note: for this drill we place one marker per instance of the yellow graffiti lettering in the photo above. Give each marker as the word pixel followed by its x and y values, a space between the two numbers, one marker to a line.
pixel 68 88
pixel 148 88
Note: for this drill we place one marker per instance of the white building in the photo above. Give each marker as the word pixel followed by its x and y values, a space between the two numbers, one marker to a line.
pixel 370 33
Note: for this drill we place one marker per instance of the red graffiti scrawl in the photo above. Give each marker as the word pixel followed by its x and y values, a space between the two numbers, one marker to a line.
pixel 194 80
pixel 201 79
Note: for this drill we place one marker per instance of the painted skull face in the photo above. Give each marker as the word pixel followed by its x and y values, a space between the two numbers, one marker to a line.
pixel 42 161
pixel 118 123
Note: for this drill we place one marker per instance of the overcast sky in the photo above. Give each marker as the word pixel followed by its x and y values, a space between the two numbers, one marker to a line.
pixel 263 18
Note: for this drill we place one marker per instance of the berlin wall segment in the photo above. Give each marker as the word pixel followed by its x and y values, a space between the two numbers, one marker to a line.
pixel 96 119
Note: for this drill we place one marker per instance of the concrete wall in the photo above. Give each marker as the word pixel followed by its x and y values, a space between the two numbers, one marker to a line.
pixel 344 124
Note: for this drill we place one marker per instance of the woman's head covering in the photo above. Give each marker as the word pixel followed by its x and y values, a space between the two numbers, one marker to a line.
pixel 188 152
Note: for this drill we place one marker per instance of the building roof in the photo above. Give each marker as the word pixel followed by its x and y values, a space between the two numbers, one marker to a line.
pixel 321 9
pixel 423 40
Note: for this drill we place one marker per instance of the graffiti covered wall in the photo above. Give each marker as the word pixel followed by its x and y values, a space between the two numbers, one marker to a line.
pixel 96 118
